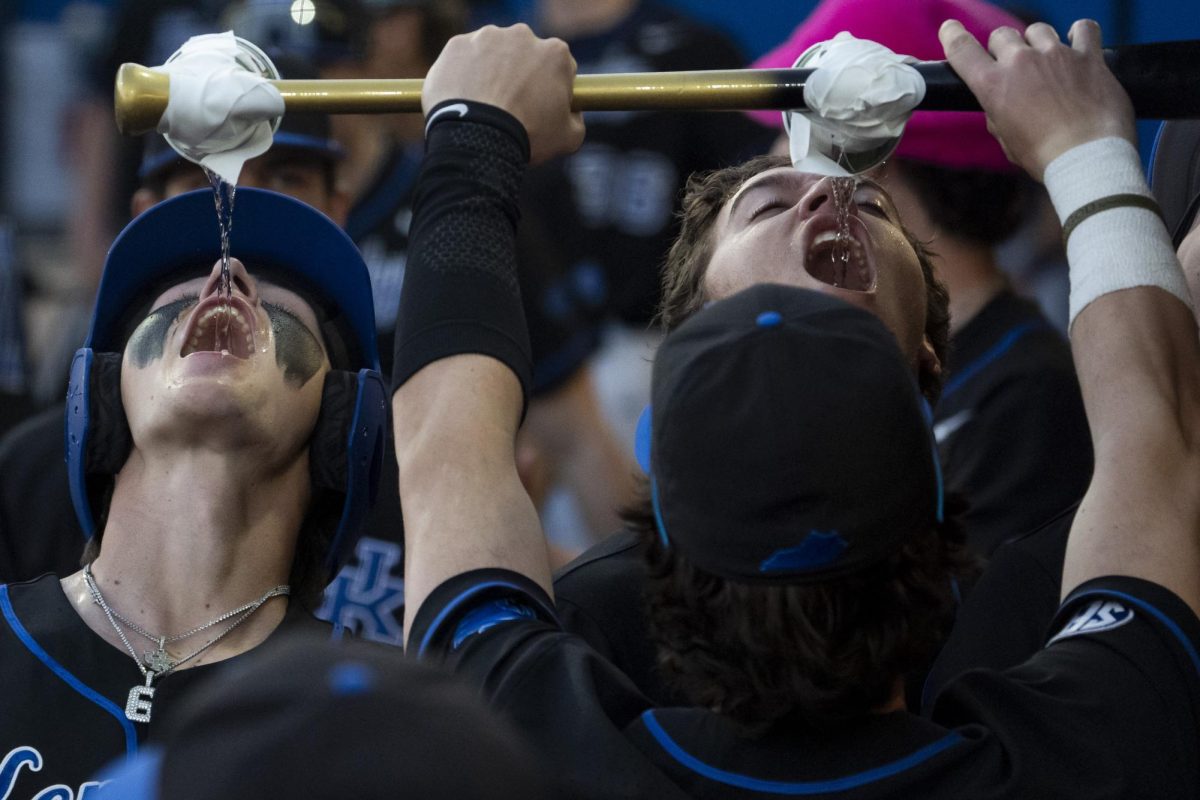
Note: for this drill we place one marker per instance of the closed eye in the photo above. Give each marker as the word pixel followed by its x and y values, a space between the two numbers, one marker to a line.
pixel 871 198
pixel 768 208
pixel 873 207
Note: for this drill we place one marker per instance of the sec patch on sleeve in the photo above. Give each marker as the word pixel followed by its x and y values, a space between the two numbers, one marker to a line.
pixel 1098 616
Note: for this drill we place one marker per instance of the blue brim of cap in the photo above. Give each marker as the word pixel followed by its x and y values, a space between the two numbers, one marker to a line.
pixel 270 231
pixel 642 438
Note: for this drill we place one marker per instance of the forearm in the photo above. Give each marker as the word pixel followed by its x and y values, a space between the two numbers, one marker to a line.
pixel 1136 350
pixel 462 366
pixel 463 503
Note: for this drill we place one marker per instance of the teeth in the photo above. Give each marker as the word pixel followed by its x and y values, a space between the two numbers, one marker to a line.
pixel 214 324
pixel 828 236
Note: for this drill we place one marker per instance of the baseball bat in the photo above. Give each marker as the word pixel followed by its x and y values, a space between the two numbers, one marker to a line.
pixel 1162 79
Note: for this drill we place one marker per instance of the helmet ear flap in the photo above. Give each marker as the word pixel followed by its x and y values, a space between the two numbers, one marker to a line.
pixel 346 450
pixel 110 441
pixel 97 433
pixel 327 451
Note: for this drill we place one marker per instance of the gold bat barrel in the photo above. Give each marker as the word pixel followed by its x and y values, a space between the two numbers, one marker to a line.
pixel 141 94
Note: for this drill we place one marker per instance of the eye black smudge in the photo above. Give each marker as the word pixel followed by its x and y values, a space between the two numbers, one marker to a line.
pixel 297 351
pixel 148 340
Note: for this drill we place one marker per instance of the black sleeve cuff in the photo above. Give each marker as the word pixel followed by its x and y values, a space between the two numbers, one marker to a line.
pixel 1153 603
pixel 434 625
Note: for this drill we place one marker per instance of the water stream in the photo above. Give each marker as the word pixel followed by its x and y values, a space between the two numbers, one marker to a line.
pixel 843 200
pixel 223 196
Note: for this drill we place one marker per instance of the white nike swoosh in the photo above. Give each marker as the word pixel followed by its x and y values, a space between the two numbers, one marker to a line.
pixel 461 108
pixel 944 429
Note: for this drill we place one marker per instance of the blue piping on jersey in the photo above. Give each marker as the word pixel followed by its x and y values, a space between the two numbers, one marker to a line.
pixel 658 517
pixel 131 743
pixel 1171 625
pixel 927 412
pixel 794 787
pixel 456 603
pixel 941 482
pixel 998 349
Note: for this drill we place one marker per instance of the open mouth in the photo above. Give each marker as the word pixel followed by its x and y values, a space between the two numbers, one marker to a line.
pixel 840 261
pixel 220 327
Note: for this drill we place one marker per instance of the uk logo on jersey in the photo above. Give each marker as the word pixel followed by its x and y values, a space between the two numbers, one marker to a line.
pixel 1100 615
pixel 366 597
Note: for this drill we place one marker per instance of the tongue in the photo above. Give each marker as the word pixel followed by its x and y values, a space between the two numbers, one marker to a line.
pixel 221 334
pixel 838 266
pixel 826 265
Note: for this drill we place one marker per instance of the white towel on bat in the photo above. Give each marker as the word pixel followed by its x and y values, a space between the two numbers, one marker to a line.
pixel 859 98
pixel 218 114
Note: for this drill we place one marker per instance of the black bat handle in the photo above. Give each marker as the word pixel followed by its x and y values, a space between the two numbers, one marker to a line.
pixel 1162 80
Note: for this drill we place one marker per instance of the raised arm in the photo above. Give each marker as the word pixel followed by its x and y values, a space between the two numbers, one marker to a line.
pixel 1062 116
pixel 462 362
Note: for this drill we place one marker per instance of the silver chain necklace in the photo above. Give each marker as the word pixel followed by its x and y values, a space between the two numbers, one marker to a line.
pixel 158 663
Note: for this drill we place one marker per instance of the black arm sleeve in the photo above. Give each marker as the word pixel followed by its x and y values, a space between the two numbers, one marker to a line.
pixel 460 291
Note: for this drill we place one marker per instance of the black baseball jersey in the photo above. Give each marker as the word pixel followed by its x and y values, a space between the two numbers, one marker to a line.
pixel 1109 708
pixel 1005 618
pixel 366 597
pixel 1010 423
pixel 628 176
pixel 599 599
pixel 62 717
pixel 39 531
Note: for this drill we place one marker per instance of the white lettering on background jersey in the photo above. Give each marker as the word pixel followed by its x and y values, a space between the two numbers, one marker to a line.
pixel 24 756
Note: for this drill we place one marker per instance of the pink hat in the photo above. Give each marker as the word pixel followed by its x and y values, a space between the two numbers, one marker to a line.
pixel 956 139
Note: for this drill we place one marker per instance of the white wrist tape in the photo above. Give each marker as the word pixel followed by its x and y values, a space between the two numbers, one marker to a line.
pixel 1118 248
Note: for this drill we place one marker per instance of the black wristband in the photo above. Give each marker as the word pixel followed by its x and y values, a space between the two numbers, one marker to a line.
pixel 482 113
pixel 461 293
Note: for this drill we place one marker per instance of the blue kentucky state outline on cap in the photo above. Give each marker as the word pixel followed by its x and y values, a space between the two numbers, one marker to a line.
pixel 817 549
pixel 641 440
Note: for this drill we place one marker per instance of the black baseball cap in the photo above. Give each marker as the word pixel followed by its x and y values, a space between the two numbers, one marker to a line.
pixel 1175 174
pixel 788 440
pixel 302 132
pixel 326 721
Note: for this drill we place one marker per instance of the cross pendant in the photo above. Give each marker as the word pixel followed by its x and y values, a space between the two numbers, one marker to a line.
pixel 158 660
pixel 137 707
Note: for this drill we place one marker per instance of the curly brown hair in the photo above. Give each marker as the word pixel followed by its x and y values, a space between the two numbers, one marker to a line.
pixel 687 261
pixel 821 654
